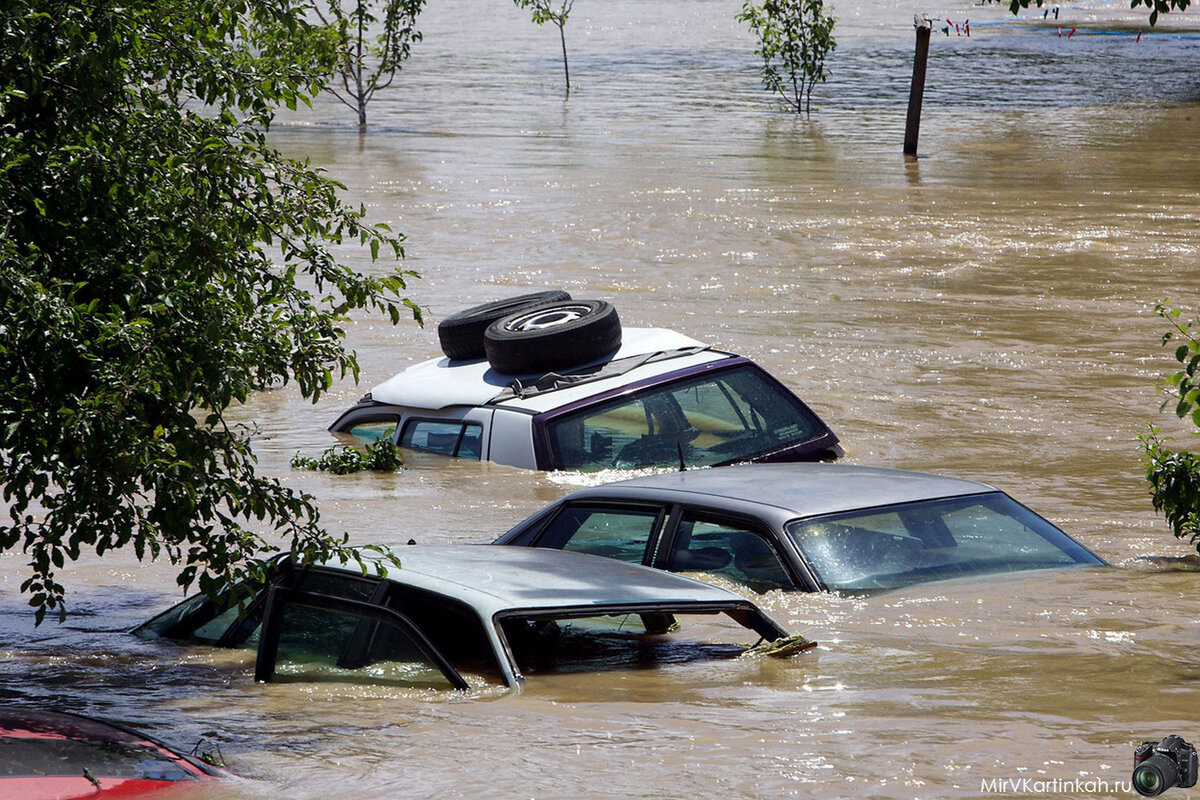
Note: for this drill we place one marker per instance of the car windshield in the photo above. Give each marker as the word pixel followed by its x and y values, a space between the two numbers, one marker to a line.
pixel 884 548
pixel 731 415
pixel 557 645
pixel 49 755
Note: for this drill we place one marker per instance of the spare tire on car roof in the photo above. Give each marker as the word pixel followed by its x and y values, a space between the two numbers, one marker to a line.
pixel 461 333
pixel 553 336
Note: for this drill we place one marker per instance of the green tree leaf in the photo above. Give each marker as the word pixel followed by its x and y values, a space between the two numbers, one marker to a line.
pixel 143 302
pixel 1174 475
pixel 364 47
pixel 795 39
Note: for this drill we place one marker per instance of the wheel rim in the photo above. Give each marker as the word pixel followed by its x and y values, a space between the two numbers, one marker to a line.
pixel 540 319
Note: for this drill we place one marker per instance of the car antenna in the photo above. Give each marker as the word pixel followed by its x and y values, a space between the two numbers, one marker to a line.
pixel 679 447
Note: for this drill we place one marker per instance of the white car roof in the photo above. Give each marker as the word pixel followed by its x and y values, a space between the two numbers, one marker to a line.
pixel 441 383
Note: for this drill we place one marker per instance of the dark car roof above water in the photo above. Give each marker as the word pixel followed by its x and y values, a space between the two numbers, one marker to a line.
pixel 796 490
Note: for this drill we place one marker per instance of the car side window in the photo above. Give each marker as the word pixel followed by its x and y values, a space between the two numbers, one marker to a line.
pixel 457 439
pixel 736 552
pixel 340 645
pixel 223 621
pixel 371 432
pixel 623 534
pixel 593 440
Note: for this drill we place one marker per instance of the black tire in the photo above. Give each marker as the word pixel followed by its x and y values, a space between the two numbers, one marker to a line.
pixel 553 336
pixel 461 333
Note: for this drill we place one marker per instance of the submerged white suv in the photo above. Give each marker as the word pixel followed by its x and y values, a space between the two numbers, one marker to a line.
pixel 558 385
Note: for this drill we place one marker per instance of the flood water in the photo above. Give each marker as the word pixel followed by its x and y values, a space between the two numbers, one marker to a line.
pixel 984 311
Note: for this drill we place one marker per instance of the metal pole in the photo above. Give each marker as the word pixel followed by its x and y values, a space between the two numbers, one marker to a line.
pixel 916 94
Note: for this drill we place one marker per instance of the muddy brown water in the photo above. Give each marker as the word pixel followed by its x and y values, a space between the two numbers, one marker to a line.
pixel 984 311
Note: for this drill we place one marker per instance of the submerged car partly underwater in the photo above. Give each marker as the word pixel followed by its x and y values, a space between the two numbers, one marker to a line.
pixel 464 610
pixel 807 527
pixel 558 385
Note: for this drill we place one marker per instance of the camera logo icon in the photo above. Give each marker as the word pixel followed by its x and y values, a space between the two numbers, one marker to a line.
pixel 1158 766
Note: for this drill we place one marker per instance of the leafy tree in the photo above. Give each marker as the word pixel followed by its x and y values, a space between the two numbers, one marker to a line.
pixel 365 65
pixel 1156 6
pixel 543 12
pixel 158 263
pixel 795 38
pixel 1174 475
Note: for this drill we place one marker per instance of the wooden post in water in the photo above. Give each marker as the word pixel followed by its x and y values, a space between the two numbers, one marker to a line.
pixel 916 94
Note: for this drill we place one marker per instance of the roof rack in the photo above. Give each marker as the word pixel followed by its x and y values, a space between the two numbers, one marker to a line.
pixel 554 381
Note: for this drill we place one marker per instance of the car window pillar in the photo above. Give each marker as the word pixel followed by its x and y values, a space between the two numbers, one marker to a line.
pixel 664 539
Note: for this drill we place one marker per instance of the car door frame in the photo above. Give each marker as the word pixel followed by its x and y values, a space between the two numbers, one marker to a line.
pixel 543 521
pixel 279 597
pixel 792 563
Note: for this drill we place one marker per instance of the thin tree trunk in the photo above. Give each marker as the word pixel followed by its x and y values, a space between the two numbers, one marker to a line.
pixel 358 65
pixel 566 72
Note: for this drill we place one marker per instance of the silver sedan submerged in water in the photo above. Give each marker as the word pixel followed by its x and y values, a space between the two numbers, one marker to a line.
pixel 461 609
pixel 808 527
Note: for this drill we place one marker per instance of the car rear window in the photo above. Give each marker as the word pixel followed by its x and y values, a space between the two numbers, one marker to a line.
pixel 731 415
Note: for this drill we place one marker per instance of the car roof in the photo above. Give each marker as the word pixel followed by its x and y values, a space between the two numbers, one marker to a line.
pixel 789 490
pixel 493 580
pixel 442 383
